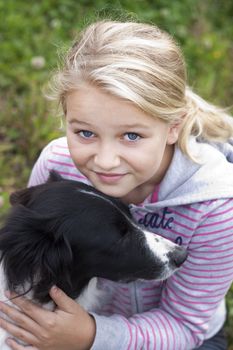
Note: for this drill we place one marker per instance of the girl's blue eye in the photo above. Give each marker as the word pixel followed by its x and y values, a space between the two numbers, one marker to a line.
pixel 132 136
pixel 86 134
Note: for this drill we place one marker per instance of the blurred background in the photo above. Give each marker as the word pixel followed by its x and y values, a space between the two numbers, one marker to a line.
pixel 33 35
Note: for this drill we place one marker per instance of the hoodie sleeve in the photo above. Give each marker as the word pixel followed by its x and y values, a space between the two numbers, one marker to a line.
pixel 55 156
pixel 190 298
pixel 40 171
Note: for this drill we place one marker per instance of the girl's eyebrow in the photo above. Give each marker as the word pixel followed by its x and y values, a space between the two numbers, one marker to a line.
pixel 136 126
pixel 76 121
pixel 124 126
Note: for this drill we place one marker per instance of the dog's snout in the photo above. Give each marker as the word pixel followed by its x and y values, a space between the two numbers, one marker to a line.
pixel 178 256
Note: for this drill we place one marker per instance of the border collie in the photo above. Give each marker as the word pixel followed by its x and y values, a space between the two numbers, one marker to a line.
pixel 67 233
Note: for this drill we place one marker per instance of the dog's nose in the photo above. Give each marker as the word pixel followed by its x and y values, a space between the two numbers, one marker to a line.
pixel 178 256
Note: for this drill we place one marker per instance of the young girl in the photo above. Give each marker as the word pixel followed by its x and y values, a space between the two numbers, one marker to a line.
pixel 134 130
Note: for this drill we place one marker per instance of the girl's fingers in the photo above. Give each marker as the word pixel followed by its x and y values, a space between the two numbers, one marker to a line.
pixel 62 301
pixel 36 313
pixel 17 332
pixel 16 346
pixel 16 316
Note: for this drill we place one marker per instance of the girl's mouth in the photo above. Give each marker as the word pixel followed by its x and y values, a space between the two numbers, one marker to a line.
pixel 109 177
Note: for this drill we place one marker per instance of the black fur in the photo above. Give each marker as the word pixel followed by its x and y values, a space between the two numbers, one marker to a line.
pixel 59 234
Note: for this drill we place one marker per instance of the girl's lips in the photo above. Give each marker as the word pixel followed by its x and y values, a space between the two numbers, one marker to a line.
pixel 109 178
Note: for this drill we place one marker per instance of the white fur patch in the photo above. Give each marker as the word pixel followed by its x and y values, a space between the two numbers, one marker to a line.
pixel 159 246
pixel 91 297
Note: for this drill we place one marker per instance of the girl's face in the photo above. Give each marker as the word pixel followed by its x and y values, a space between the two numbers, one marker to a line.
pixel 120 149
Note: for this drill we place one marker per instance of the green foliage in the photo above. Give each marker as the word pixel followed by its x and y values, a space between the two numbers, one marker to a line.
pixel 33 34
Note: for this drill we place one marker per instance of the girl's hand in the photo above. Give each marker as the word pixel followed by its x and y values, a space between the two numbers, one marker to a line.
pixel 69 327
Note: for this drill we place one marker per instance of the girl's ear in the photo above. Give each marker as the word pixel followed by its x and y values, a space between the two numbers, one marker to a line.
pixel 173 132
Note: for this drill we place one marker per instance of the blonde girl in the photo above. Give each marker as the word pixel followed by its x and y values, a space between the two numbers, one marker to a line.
pixel 136 131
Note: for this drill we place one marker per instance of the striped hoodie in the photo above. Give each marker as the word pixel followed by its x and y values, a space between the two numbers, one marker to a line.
pixel 193 207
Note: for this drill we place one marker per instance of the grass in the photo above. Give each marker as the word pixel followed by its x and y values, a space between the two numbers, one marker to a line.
pixel 32 36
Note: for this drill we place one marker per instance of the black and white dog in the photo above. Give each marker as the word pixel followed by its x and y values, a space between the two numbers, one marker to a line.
pixel 67 233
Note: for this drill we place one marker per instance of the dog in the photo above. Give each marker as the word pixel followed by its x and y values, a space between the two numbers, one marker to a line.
pixel 67 233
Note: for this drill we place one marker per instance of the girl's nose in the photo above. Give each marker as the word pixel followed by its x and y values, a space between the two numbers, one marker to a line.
pixel 107 158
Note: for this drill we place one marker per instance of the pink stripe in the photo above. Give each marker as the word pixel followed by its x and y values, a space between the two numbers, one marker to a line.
pixel 165 328
pixel 112 307
pixel 183 226
pixel 146 335
pixel 70 174
pixel 152 303
pixel 123 293
pixel 61 146
pixel 197 289
pixel 62 154
pixel 222 238
pixel 220 259
pixel 210 269
pixel 191 255
pixel 197 316
pixel 212 264
pixel 143 338
pixel 184 272
pixel 130 332
pixel 191 300
pixel 154 197
pixel 154 335
pixel 188 207
pixel 124 301
pixel 189 295
pixel 124 298
pixel 171 330
pixel 125 289
pixel 152 295
pixel 222 212
pixel 188 306
pixel 209 202
pixel 61 163
pixel 213 232
pixel 136 333
pixel 183 215
pixel 216 223
pixel 218 251
pixel 178 233
pixel 159 285
pixel 205 283
pixel 203 323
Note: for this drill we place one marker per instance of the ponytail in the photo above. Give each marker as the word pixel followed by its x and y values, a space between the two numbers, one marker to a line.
pixel 204 121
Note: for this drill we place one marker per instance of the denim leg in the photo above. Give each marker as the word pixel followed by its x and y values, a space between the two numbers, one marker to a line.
pixel 217 342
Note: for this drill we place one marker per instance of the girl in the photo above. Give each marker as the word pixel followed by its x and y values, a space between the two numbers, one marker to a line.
pixel 134 130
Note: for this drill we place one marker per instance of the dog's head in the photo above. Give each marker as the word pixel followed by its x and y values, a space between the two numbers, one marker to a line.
pixel 64 232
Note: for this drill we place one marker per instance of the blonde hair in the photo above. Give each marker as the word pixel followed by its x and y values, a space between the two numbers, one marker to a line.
pixel 141 63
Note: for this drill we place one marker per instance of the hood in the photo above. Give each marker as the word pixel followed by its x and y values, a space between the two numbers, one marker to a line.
pixel 188 182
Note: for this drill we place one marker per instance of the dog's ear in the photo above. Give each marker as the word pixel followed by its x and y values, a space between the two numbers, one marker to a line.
pixel 54 176
pixel 21 196
pixel 35 253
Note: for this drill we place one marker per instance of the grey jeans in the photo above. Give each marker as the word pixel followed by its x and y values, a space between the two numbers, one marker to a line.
pixel 217 342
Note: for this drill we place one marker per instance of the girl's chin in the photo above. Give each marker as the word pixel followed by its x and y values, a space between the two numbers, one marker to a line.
pixel 113 191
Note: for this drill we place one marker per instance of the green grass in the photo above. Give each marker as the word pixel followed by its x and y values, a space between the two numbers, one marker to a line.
pixel 45 29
